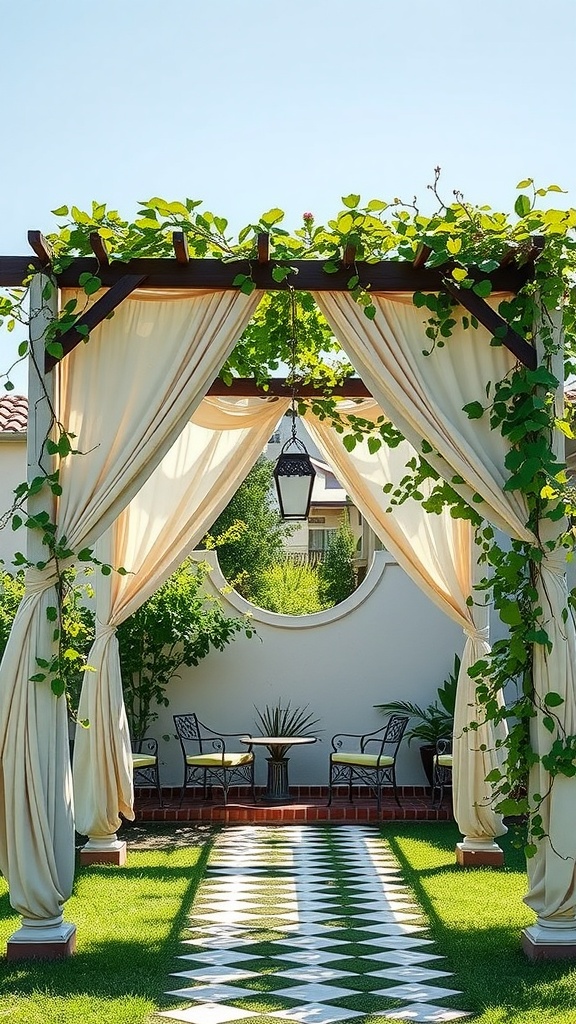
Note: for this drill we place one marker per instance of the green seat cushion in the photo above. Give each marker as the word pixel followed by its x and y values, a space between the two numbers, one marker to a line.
pixel 366 760
pixel 445 760
pixel 142 760
pixel 216 760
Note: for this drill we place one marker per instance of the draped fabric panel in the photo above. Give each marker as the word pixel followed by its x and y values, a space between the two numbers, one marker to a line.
pixel 424 397
pixel 439 555
pixel 126 395
pixel 162 523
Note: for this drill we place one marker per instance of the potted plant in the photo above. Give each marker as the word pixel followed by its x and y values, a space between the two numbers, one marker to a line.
pixel 284 723
pixel 431 723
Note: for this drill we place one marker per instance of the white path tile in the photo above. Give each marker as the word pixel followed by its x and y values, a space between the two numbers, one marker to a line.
pixel 416 991
pixel 209 1013
pixel 317 1013
pixel 423 1013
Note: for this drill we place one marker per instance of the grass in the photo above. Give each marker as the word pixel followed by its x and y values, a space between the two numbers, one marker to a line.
pixel 130 922
pixel 476 916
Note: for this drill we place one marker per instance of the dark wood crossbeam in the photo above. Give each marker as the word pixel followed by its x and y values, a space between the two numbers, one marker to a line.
pixel 98 246
pixel 492 321
pixel 95 315
pixel 278 387
pixel 386 276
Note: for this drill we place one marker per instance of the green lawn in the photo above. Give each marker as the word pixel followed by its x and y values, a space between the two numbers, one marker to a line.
pixel 130 921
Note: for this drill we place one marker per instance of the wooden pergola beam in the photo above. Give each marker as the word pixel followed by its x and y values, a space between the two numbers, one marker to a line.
pixel 95 315
pixel 493 322
pixel 386 276
pixel 278 387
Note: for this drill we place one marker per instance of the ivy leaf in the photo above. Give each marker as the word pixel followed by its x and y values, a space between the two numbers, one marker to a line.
pixel 474 410
pixel 273 216
pixel 454 245
pixel 482 288
pixel 370 311
pixel 352 201
pixel 553 700
pixel 349 442
pixel 522 206
pixel 62 211
pixel 459 274
pixel 374 444
pixel 419 300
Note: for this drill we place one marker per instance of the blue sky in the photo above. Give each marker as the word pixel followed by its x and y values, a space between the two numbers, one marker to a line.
pixel 249 104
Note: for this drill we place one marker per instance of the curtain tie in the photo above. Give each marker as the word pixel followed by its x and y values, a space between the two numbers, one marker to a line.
pixel 38 580
pixel 472 632
pixel 104 630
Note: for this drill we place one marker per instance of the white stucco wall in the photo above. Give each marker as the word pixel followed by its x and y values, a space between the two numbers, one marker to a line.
pixel 12 473
pixel 387 641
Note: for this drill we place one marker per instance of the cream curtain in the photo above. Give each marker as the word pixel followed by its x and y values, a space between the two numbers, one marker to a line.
pixel 126 395
pixel 162 523
pixel 439 554
pixel 424 397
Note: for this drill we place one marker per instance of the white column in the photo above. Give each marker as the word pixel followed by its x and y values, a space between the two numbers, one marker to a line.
pixel 552 871
pixel 50 937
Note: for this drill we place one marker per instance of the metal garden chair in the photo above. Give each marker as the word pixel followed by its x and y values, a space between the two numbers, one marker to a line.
pixel 441 770
pixel 374 767
pixel 209 761
pixel 145 767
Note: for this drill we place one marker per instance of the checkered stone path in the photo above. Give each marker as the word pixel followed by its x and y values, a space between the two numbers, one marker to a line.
pixel 308 925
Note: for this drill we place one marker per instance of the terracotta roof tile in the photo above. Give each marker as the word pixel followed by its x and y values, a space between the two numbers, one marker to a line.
pixel 13 413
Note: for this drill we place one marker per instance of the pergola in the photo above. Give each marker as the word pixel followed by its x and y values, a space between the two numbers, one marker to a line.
pixel 387 355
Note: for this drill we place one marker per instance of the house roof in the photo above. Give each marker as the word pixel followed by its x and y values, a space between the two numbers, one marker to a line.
pixel 13 414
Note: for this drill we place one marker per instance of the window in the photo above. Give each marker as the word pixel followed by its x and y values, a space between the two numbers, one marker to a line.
pixel 318 540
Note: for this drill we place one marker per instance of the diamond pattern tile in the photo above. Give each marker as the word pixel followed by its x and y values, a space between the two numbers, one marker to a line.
pixel 278 913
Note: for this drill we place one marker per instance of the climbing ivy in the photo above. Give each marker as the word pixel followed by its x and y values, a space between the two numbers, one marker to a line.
pixel 465 243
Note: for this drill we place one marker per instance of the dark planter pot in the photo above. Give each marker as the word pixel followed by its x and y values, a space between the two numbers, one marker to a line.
pixel 427 752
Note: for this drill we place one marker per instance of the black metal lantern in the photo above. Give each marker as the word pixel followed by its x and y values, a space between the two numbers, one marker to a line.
pixel 294 473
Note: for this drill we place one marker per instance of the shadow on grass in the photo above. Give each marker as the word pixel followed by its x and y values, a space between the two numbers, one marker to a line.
pixel 490 967
pixel 120 966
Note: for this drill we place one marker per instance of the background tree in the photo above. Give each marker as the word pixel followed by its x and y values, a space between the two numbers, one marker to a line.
pixel 337 579
pixel 290 587
pixel 179 625
pixel 261 543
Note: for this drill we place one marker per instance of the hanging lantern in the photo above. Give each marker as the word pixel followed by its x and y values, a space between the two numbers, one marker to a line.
pixel 294 473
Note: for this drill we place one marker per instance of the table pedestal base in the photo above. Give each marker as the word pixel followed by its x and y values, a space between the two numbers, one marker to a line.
pixel 277 783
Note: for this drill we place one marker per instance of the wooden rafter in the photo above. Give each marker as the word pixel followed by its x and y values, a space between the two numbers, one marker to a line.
pixel 40 246
pixel 263 244
pixel 278 387
pixel 98 246
pixel 95 315
pixel 180 244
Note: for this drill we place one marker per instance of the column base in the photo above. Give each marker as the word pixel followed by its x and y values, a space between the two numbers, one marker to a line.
pixel 38 940
pixel 104 851
pixel 554 941
pixel 475 853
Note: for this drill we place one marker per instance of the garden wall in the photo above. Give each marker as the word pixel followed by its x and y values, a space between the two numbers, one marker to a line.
pixel 387 641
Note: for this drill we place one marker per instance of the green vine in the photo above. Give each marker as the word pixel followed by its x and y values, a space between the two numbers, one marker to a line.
pixel 465 244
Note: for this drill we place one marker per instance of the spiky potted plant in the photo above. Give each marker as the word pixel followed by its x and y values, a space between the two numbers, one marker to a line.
pixel 431 723
pixel 283 723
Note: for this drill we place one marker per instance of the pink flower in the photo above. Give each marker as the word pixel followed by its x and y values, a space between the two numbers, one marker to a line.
pixel 308 217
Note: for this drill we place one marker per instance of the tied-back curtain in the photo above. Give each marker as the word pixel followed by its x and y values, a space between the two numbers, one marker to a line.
pixel 424 395
pixel 126 394
pixel 439 554
pixel 160 526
